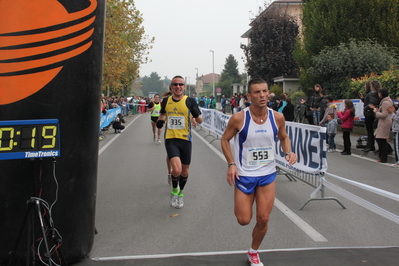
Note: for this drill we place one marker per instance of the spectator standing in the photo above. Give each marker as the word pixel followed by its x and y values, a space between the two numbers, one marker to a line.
pixel 331 131
pixel 271 97
pixel 308 104
pixel 384 124
pixel 283 102
pixel 289 111
pixel 223 103
pixel 346 117
pixel 323 104
pixel 232 103
pixel 331 108
pixel 395 129
pixel 208 102
pixel 242 103
pixel 142 103
pixel 316 102
pixel 370 101
pixel 237 102
pixel 276 103
pixel 213 102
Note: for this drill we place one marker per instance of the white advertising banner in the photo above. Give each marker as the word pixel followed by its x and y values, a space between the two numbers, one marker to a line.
pixel 309 144
pixel 307 141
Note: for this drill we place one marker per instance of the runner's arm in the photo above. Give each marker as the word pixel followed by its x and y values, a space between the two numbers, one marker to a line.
pixel 231 130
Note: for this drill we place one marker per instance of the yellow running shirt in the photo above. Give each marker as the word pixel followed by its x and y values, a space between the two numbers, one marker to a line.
pixel 178 119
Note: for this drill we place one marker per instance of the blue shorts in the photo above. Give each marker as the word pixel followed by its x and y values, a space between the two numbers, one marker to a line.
pixel 248 184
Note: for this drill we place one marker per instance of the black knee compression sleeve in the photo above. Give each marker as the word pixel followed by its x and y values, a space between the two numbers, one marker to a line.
pixel 175 181
pixel 182 182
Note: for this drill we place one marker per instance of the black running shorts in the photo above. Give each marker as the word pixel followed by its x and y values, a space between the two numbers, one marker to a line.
pixel 179 148
pixel 154 119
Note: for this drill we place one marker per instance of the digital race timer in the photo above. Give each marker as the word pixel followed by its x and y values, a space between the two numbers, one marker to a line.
pixel 22 139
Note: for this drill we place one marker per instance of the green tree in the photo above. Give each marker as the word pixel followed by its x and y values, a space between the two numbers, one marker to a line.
pixel 329 23
pixel 334 65
pixel 153 83
pixel 231 69
pixel 125 46
pixel 230 75
pixel 273 38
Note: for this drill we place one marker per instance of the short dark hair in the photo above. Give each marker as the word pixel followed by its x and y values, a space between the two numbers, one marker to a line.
pixel 384 92
pixel 332 115
pixel 329 98
pixel 255 81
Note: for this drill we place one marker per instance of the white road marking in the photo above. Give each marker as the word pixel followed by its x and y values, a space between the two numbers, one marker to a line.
pixel 161 256
pixel 114 138
pixel 310 231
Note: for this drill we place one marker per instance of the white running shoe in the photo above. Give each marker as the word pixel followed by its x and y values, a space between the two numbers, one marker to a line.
pixel 159 141
pixel 169 179
pixel 253 259
pixel 395 165
pixel 180 203
pixel 173 200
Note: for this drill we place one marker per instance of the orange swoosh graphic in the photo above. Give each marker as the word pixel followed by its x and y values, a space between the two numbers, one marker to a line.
pixel 19 66
pixel 24 39
pixel 20 86
pixel 44 13
pixel 37 28
pixel 20 53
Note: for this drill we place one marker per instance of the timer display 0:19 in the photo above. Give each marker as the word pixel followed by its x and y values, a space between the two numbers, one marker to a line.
pixel 29 139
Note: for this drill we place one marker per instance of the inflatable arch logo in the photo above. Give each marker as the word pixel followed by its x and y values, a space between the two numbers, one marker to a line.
pixel 36 38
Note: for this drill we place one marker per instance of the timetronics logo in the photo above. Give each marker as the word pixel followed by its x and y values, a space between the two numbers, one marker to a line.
pixel 36 38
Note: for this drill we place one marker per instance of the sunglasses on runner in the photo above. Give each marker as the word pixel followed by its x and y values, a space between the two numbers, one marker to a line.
pixel 177 84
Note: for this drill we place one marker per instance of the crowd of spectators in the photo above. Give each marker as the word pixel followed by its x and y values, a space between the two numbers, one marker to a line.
pixel 129 105
pixel 317 106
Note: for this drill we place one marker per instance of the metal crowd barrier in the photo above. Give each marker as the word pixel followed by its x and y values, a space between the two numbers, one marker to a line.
pixel 315 180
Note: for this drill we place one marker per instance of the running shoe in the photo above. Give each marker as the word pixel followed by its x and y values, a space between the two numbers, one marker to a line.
pixel 159 141
pixel 155 138
pixel 169 179
pixel 180 203
pixel 395 165
pixel 173 200
pixel 253 259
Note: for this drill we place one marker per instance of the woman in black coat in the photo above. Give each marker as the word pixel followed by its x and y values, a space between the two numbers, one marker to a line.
pixel 371 99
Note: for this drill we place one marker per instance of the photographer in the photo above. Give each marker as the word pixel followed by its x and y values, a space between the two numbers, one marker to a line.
pixel 117 124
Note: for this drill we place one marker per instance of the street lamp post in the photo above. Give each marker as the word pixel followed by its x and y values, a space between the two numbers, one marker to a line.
pixel 213 73
pixel 196 83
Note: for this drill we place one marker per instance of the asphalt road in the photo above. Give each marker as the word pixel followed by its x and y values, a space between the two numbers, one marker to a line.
pixel 133 217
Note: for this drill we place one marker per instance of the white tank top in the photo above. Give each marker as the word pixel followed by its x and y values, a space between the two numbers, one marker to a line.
pixel 255 146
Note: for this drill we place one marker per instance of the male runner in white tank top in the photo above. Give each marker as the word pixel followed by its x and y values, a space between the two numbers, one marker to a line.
pixel 252 169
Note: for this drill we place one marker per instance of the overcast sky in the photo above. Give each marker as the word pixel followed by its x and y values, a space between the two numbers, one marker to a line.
pixel 186 30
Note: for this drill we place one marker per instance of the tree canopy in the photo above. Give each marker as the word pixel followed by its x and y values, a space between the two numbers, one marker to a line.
pixel 355 59
pixel 273 38
pixel 125 46
pixel 231 69
pixel 328 23
pixel 153 83
pixel 344 24
pixel 230 75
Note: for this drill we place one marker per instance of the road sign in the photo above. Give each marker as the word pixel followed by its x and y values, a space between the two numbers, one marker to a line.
pixel 218 90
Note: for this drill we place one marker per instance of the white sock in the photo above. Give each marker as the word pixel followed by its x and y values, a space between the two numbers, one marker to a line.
pixel 251 250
